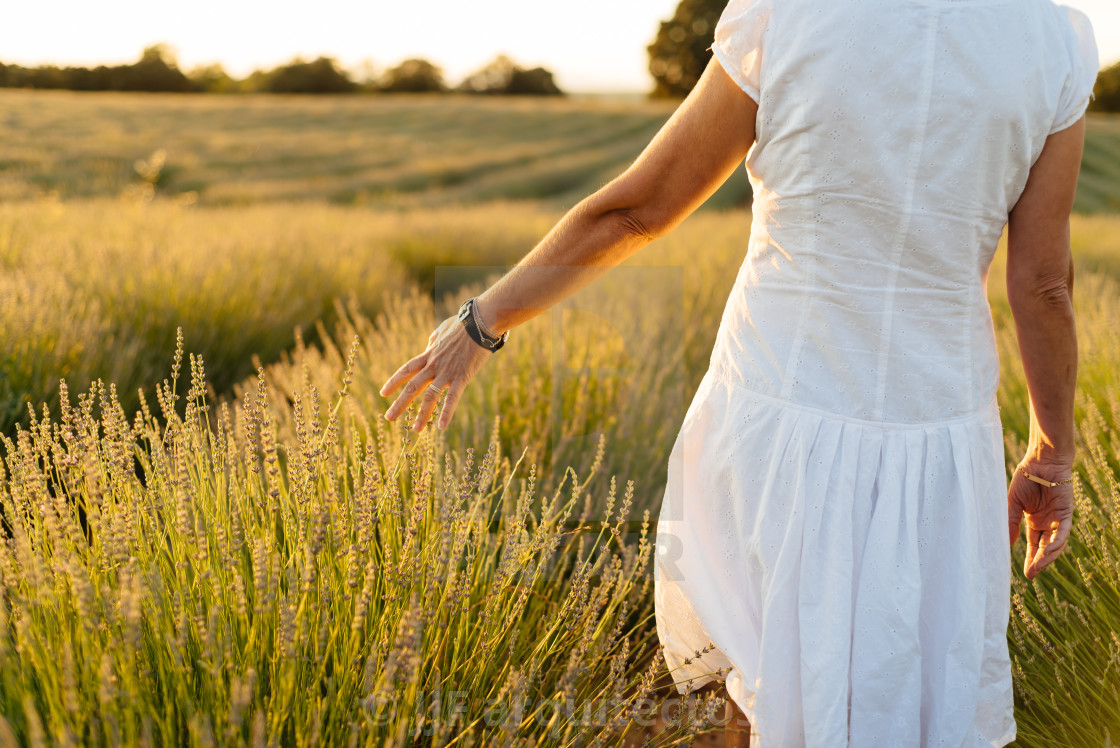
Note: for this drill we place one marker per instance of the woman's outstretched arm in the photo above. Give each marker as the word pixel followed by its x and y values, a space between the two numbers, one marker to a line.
pixel 1039 284
pixel 692 155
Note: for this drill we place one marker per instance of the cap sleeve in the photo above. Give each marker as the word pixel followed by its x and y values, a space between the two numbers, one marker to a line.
pixel 1084 65
pixel 739 42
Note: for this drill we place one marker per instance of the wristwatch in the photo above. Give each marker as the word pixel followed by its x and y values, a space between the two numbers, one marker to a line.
pixel 468 316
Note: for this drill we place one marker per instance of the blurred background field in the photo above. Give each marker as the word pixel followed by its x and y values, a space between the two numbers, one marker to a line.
pixel 384 151
pixel 414 151
pixel 1098 189
pixel 274 229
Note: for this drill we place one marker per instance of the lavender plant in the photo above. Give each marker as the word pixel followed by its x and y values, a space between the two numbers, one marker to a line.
pixel 288 570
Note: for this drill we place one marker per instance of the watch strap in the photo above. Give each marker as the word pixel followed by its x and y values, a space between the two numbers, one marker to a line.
pixel 469 317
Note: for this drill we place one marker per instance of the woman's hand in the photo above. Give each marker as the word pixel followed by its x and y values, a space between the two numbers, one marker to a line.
pixel 1048 510
pixel 450 360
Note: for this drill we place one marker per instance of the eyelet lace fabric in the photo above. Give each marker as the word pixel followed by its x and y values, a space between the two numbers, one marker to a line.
pixel 835 512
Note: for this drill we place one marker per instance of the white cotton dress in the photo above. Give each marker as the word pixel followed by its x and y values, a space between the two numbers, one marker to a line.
pixel 834 520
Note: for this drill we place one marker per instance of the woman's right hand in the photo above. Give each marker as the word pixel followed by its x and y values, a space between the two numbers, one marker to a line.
pixel 450 361
pixel 1048 511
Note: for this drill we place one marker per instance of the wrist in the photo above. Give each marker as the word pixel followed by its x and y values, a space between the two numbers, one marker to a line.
pixel 1049 466
pixel 1053 449
pixel 487 319
pixel 1049 455
pixel 1050 479
pixel 469 318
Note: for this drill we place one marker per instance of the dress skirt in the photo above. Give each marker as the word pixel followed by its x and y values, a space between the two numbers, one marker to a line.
pixel 852 576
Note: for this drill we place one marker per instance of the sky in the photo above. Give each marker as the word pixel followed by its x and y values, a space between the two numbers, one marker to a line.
pixel 590 45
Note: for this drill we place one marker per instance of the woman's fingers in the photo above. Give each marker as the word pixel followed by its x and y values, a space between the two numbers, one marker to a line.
pixel 405 372
pixel 408 394
pixel 1014 518
pixel 427 405
pixel 1046 545
pixel 1021 499
pixel 1035 550
pixel 449 404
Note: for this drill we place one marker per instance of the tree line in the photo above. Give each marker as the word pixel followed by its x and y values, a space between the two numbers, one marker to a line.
pixel 157 71
pixel 1106 92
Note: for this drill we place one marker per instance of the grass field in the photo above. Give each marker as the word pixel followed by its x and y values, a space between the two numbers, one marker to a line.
pixel 1100 169
pixel 413 151
pixel 238 557
pixel 418 151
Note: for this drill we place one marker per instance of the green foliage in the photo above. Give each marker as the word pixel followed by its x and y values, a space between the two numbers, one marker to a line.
pixel 291 571
pixel 213 79
pixel 413 76
pixel 682 48
pixel 504 76
pixel 320 76
pixel 155 71
pixel 533 82
pixel 1106 91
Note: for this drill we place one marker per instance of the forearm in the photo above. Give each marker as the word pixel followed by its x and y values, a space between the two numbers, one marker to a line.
pixel 703 142
pixel 593 237
pixel 1048 345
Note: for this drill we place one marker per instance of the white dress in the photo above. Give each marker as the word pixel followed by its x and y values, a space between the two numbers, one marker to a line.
pixel 834 520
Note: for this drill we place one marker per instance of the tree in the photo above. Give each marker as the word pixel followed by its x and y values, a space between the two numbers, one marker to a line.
pixel 155 71
pixel 681 50
pixel 533 82
pixel 413 76
pixel 47 76
pixel 1106 92
pixel 493 78
pixel 319 76
pixel 504 76
pixel 212 79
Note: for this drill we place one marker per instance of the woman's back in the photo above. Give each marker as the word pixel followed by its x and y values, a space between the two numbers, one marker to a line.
pixel 893 138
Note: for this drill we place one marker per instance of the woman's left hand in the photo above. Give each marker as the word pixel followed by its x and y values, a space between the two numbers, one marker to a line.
pixel 1047 510
pixel 450 360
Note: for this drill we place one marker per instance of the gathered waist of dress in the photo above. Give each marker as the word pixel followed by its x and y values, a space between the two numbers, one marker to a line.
pixel 726 375
pixel 875 357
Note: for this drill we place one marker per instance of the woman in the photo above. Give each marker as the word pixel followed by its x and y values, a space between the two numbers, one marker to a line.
pixel 833 523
